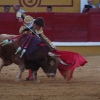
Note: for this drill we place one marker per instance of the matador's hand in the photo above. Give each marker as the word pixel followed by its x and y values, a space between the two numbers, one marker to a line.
pixel 20 19
pixel 55 48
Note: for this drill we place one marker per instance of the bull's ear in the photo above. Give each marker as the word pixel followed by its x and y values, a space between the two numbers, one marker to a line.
pixel 52 54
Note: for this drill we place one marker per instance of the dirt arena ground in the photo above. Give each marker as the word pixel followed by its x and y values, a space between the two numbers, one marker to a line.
pixel 85 84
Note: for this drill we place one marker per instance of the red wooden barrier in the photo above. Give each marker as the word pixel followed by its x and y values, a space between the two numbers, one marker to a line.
pixel 70 27
pixel 62 27
pixel 94 25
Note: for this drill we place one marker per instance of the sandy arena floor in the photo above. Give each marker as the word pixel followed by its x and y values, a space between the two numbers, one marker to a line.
pixel 85 84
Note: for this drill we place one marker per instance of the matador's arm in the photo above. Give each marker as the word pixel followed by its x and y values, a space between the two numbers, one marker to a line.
pixel 44 38
pixel 27 19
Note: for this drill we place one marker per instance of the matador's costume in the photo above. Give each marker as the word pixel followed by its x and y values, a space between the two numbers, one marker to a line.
pixel 28 24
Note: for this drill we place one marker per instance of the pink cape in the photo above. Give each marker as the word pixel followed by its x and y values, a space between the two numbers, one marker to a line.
pixel 73 59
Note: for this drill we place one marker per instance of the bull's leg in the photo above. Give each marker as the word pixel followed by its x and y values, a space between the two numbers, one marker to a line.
pixel 35 77
pixel 1 65
pixel 18 77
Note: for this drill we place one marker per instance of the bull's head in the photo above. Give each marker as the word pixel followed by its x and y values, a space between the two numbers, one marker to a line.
pixel 50 66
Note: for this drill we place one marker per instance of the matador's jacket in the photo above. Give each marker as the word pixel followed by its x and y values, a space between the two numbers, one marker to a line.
pixel 28 22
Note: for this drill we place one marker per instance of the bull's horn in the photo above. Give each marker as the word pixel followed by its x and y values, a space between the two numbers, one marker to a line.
pixel 63 63
pixel 52 54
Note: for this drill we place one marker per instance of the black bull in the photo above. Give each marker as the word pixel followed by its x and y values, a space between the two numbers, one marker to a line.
pixel 38 58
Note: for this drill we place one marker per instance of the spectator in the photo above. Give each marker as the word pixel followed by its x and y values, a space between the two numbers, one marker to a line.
pixel 99 4
pixel 49 9
pixel 17 8
pixel 6 8
pixel 87 7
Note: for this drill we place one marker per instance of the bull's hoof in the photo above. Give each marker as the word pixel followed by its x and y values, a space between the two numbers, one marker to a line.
pixel 37 81
pixel 17 80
